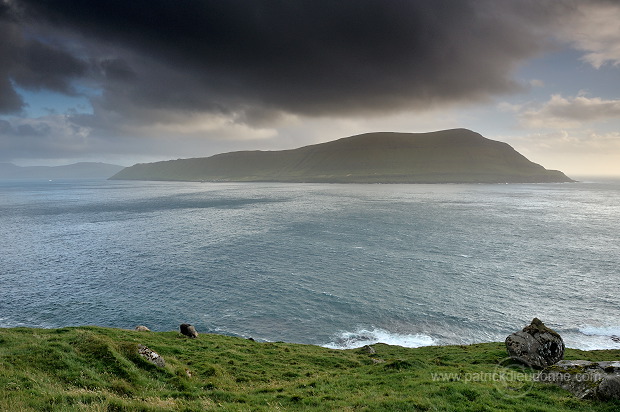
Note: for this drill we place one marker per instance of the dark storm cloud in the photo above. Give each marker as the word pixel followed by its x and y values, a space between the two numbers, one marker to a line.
pixel 31 64
pixel 10 101
pixel 38 66
pixel 303 57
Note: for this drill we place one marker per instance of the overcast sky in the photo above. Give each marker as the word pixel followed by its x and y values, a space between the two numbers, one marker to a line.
pixel 131 81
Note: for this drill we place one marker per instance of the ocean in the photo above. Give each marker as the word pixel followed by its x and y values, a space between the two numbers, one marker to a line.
pixel 324 264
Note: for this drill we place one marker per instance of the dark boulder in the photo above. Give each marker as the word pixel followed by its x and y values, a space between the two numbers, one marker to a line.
pixel 536 345
pixel 189 330
pixel 609 388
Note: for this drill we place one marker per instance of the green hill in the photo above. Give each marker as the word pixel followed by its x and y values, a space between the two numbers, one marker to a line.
pixel 99 369
pixel 449 156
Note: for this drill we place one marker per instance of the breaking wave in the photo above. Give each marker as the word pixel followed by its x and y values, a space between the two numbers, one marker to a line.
pixel 362 337
pixel 611 331
pixel 592 337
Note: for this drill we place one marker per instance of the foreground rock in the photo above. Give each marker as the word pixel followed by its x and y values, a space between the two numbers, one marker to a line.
pixel 189 330
pixel 536 345
pixel 151 356
pixel 586 380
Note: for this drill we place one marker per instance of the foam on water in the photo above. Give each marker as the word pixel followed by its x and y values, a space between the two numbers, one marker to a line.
pixel 592 337
pixel 611 331
pixel 362 337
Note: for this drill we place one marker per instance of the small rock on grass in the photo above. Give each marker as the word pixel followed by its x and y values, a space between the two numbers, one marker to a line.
pixel 151 356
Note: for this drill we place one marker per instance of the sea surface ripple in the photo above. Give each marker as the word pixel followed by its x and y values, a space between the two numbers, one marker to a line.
pixel 325 264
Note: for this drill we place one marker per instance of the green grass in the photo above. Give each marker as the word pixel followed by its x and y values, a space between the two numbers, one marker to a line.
pixel 98 369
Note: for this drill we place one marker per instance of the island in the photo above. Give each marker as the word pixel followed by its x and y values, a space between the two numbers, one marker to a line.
pixel 447 156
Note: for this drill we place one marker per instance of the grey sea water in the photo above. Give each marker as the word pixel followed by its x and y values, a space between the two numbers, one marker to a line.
pixel 333 265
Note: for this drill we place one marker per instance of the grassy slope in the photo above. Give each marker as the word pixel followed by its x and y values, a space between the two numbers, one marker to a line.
pixel 97 369
pixel 454 156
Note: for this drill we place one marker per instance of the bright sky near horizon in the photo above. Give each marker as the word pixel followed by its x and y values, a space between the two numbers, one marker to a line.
pixel 144 80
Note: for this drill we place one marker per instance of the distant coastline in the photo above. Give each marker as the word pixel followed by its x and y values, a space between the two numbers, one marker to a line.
pixel 82 170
